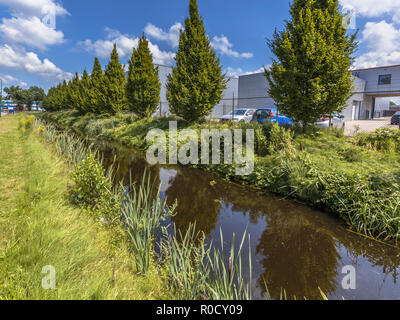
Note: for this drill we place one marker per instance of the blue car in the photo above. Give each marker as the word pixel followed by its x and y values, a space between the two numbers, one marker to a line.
pixel 263 115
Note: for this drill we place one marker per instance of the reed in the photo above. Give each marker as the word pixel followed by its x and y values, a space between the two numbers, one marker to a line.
pixel 227 280
pixel 144 217
pixel 200 272
pixel 73 149
pixel 186 264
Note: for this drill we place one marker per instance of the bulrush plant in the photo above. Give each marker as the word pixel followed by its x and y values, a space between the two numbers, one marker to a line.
pixel 186 263
pixel 73 149
pixel 227 281
pixel 200 272
pixel 144 214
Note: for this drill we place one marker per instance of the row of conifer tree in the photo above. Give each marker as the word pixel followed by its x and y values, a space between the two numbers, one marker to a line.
pixel 194 87
pixel 309 77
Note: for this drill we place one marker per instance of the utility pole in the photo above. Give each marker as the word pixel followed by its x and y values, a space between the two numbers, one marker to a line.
pixel 233 107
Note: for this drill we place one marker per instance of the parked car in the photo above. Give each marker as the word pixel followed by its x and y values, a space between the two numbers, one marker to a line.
pixel 239 115
pixel 337 120
pixel 395 118
pixel 263 115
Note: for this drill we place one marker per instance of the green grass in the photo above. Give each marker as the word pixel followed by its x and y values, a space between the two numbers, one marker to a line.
pixel 39 227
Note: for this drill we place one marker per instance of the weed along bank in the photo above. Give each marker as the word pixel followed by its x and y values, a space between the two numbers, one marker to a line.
pixel 183 147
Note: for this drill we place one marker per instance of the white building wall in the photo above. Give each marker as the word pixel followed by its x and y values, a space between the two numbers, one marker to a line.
pixel 229 100
pixel 163 72
pixel 371 77
pixel 374 106
pixel 353 110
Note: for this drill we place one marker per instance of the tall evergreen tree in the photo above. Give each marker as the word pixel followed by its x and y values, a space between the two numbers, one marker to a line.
pixel 83 96
pixel 48 101
pixel 196 83
pixel 64 95
pixel 309 78
pixel 56 99
pixel 143 86
pixel 95 93
pixel 72 98
pixel 113 100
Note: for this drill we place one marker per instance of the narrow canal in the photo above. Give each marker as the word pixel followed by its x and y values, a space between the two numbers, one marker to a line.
pixel 293 247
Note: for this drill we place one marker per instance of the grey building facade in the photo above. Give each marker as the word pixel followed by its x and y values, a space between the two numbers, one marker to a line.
pixel 251 91
pixel 369 85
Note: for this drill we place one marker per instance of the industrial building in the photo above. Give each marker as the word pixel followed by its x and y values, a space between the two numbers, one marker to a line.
pixel 369 86
pixel 251 91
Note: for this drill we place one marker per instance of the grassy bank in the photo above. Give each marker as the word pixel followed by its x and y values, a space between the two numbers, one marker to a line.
pixel 40 227
pixel 356 178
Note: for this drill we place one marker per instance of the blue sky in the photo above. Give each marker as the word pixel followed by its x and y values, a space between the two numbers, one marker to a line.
pixel 33 52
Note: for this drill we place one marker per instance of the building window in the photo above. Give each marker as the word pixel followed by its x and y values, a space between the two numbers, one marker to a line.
pixel 385 79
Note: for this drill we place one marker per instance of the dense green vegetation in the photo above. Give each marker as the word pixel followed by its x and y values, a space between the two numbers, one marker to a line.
pixel 354 177
pixel 309 77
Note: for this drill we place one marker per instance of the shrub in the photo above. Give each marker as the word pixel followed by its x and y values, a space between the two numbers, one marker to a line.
pixel 387 140
pixel 351 154
pixel 93 190
pixel 279 138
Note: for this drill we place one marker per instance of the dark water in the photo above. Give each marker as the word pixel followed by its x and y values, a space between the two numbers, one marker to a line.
pixel 293 247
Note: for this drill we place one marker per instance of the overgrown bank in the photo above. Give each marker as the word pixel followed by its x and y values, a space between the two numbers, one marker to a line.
pixel 40 227
pixel 356 178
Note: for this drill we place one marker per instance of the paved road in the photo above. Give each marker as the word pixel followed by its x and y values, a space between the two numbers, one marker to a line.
pixel 359 126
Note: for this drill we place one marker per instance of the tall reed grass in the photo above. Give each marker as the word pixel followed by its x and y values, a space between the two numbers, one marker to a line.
pixel 144 217
pixel 72 148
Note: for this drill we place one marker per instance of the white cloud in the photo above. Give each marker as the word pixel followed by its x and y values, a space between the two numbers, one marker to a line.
pixel 30 31
pixel 373 8
pixel 33 23
pixel 125 45
pixel 382 40
pixel 29 62
pixel 221 44
pixel 171 36
pixel 9 80
pixel 34 7
pixel 232 72
pixel 224 47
